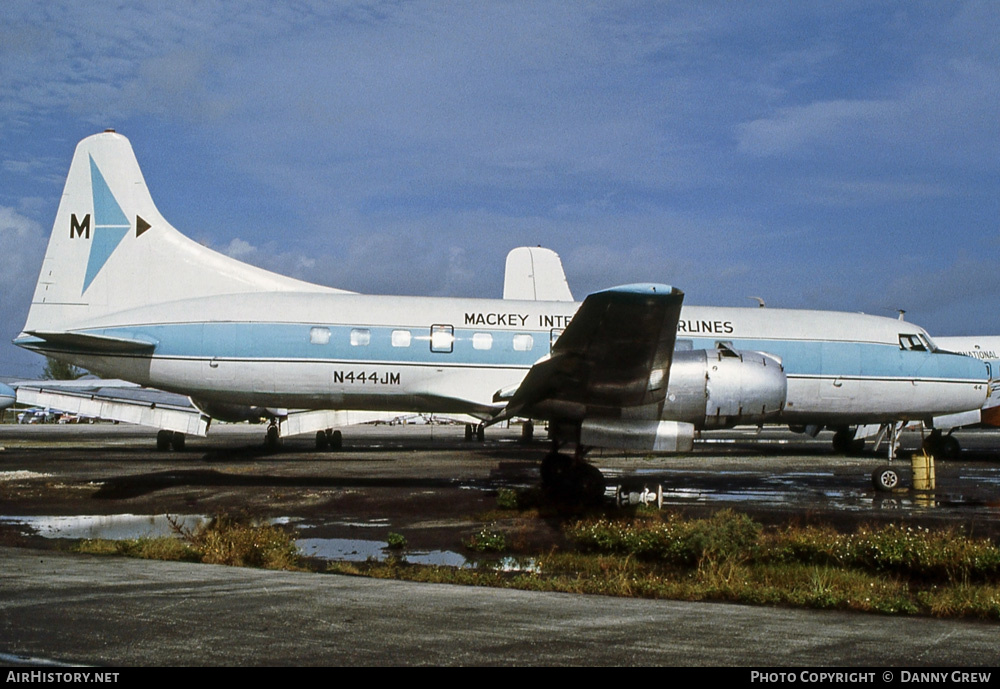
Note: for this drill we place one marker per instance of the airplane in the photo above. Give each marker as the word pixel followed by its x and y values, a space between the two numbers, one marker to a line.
pixel 987 350
pixel 7 396
pixel 123 294
pixel 537 273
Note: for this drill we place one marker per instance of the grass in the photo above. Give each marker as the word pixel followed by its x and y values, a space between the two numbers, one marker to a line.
pixel 730 557
pixel 727 557
pixel 226 540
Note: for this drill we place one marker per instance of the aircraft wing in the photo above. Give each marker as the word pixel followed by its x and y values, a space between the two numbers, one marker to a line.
pixel 116 400
pixel 119 400
pixel 614 355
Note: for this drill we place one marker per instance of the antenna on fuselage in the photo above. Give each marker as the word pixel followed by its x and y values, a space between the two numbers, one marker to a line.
pixel 759 300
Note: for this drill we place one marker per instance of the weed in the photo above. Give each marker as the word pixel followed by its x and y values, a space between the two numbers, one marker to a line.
pixel 487 540
pixel 225 541
pixel 395 541
pixel 507 499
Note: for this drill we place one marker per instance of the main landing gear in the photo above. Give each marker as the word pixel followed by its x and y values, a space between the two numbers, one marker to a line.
pixel 329 439
pixel 570 480
pixel 477 431
pixel 167 440
pixel 942 446
pixel 844 442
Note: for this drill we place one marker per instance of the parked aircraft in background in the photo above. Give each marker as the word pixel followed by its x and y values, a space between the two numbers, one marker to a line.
pixel 7 396
pixel 123 294
pixel 941 442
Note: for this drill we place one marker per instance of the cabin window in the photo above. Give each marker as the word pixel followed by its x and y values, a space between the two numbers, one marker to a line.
pixel 482 341
pixel 401 338
pixel 319 336
pixel 360 337
pixel 553 336
pixel 911 343
pixel 523 343
pixel 442 338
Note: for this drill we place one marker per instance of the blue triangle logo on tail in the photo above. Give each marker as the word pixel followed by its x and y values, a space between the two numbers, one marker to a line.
pixel 110 225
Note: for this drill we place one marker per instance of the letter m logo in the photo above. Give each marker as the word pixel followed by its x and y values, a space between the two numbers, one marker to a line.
pixel 79 229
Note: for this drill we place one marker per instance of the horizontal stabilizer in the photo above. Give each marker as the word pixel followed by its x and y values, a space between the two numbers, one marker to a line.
pixel 89 342
pixel 152 408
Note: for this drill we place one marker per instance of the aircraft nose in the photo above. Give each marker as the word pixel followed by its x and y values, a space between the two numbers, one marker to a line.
pixel 974 371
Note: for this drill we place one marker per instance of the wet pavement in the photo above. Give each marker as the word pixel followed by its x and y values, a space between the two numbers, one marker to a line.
pixel 433 488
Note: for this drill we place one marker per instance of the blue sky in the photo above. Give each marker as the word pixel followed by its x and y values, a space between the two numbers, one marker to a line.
pixel 839 155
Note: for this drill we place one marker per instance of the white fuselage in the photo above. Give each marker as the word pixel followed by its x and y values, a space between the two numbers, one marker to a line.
pixel 349 351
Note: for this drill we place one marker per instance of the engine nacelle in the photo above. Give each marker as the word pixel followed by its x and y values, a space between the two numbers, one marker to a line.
pixel 644 435
pixel 721 388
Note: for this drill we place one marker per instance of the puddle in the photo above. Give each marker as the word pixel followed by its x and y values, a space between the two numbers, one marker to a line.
pixel 362 550
pixel 115 527
pixel 120 527
pixel 21 475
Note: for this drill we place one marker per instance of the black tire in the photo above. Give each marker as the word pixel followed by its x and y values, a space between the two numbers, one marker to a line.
pixel 336 440
pixel 885 479
pixel 570 483
pixel 163 440
pixel 272 439
pixel 322 442
pixel 177 442
pixel 949 447
pixel 843 440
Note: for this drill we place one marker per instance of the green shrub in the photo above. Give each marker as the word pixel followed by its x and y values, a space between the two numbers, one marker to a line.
pixel 487 540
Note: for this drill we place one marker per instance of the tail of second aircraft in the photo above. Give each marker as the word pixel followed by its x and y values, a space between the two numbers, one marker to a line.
pixel 112 251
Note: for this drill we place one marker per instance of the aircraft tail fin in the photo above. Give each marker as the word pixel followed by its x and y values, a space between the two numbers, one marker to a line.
pixel 111 250
pixel 535 274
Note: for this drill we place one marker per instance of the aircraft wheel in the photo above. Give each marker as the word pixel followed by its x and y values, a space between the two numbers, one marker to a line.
pixel 571 482
pixel 949 447
pixel 272 440
pixel 590 484
pixel 885 479
pixel 177 442
pixel 336 439
pixel 322 442
pixel 480 433
pixel 527 431
pixel 843 440
pixel 468 432
pixel 163 440
pixel 554 466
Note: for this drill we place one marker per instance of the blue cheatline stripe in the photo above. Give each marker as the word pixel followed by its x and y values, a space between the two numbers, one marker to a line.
pixel 291 341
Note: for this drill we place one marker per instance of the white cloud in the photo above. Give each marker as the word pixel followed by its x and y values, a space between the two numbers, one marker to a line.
pixel 23 242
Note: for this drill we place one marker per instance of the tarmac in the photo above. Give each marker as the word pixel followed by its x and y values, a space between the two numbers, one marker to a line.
pixel 87 610
pixel 63 609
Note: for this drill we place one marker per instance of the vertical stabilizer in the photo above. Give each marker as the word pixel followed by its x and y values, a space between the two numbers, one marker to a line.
pixel 111 250
pixel 535 274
